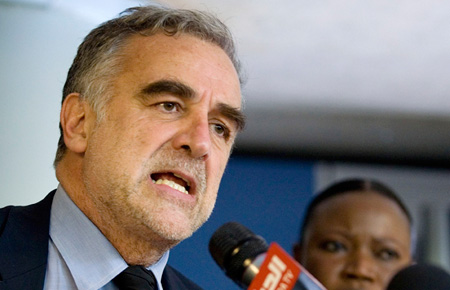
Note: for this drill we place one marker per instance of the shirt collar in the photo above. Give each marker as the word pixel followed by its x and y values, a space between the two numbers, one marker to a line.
pixel 90 257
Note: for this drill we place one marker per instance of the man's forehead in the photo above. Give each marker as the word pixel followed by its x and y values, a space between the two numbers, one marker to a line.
pixel 174 54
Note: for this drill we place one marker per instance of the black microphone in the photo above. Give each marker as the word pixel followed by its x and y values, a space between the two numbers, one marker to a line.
pixel 247 259
pixel 420 277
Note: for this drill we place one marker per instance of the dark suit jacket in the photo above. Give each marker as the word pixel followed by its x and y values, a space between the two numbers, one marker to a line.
pixel 24 234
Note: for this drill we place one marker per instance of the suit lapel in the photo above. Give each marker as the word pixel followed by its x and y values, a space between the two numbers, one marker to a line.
pixel 174 280
pixel 24 245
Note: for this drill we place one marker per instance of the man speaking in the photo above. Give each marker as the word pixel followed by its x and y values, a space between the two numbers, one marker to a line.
pixel 151 108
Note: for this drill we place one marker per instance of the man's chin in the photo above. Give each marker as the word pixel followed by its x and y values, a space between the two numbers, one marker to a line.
pixel 174 229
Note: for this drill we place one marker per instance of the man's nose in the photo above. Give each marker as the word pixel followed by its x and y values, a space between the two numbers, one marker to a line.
pixel 194 137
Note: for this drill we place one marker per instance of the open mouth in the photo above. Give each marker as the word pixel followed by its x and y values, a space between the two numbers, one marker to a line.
pixel 172 180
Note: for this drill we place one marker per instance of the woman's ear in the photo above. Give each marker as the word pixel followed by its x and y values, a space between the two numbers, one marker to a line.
pixel 73 122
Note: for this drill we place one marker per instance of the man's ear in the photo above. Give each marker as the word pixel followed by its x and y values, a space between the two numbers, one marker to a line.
pixel 73 118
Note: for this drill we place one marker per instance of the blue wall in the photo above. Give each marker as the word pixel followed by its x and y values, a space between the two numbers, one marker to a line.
pixel 266 195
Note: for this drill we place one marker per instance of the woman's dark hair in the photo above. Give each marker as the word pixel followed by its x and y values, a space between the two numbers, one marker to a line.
pixel 350 185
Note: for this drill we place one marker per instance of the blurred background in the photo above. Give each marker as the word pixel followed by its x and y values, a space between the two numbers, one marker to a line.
pixel 334 89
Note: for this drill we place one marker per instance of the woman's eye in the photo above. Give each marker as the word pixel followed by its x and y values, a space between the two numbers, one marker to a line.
pixel 332 246
pixel 388 254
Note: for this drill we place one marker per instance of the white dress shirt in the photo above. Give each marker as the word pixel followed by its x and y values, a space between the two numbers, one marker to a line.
pixel 80 257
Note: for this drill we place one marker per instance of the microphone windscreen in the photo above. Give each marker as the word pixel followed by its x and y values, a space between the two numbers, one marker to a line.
pixel 231 245
pixel 420 276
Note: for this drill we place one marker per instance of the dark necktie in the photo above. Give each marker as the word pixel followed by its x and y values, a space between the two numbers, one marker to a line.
pixel 135 278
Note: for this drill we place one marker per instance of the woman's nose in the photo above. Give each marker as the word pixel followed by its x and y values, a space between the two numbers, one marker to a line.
pixel 360 265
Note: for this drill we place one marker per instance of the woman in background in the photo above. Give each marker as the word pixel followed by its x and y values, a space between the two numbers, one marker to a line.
pixel 356 235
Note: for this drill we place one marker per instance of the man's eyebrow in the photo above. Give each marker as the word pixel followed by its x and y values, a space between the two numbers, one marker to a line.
pixel 168 86
pixel 184 91
pixel 234 114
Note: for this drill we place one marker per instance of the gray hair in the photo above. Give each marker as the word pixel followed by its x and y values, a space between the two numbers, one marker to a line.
pixel 98 58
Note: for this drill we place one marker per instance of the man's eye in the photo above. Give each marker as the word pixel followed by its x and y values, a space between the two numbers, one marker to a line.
pixel 168 106
pixel 221 130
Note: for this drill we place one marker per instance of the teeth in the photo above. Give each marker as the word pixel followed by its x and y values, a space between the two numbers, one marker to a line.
pixel 176 175
pixel 171 184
